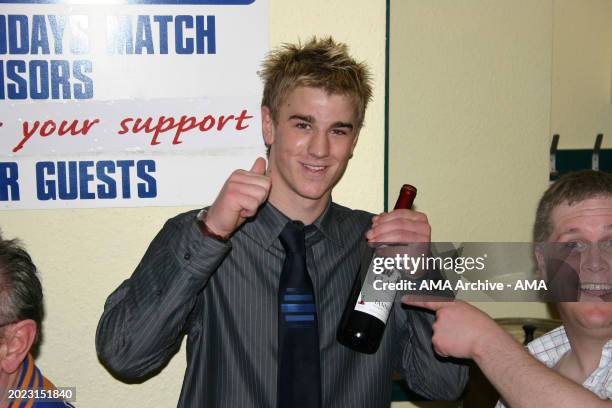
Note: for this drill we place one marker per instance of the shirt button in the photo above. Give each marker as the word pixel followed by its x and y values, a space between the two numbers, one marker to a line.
pixel 187 256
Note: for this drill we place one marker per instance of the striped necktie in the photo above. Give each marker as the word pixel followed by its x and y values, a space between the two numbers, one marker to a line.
pixel 299 372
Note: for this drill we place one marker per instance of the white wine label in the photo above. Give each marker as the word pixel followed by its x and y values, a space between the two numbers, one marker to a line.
pixel 379 310
pixel 374 302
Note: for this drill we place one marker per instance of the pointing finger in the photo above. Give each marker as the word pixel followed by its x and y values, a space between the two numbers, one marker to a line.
pixel 435 306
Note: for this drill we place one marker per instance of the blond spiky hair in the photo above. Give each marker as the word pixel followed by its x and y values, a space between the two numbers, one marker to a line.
pixel 318 63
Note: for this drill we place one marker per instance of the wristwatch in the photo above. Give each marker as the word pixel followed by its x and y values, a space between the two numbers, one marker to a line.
pixel 201 221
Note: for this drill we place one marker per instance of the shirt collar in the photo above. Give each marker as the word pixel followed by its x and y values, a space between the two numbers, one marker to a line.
pixel 269 222
pixel 329 223
pixel 266 226
pixel 606 355
pixel 550 347
pixel 29 376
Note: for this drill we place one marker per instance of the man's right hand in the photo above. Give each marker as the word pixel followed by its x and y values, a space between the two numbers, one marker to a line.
pixel 461 330
pixel 241 195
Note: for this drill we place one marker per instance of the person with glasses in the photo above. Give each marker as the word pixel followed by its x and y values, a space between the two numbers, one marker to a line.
pixel 572 365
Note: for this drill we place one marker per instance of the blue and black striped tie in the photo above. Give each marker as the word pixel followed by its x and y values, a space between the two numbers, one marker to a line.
pixel 299 372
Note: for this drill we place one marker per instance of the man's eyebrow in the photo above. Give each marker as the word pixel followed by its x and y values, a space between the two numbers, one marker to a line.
pixel 305 118
pixel 343 125
pixel 311 119
pixel 577 230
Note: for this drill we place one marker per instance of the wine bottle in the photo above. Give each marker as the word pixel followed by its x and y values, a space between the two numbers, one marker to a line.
pixel 363 323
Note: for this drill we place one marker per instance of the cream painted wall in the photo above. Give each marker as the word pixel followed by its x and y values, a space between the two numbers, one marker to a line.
pixel 582 73
pixel 469 113
pixel 469 118
pixel 84 254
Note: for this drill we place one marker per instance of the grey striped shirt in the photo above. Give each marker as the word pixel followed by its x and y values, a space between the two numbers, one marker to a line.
pixel 224 298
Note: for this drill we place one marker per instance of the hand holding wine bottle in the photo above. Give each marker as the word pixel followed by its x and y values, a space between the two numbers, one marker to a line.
pixel 363 322
pixel 400 225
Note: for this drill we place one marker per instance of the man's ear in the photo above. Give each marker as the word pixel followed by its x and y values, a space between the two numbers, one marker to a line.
pixel 267 125
pixel 540 258
pixel 354 142
pixel 16 344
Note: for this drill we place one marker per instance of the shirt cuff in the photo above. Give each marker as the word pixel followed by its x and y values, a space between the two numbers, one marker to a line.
pixel 201 255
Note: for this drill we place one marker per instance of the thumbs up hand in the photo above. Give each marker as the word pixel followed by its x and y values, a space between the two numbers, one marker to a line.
pixel 241 195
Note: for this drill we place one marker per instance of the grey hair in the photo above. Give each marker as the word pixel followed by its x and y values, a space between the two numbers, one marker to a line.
pixel 21 295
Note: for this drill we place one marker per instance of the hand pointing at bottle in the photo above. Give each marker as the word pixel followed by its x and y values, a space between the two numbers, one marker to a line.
pixel 241 195
pixel 460 330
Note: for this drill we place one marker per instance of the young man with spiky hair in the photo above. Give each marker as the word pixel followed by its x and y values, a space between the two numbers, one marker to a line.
pixel 258 281
pixel 21 313
pixel 573 363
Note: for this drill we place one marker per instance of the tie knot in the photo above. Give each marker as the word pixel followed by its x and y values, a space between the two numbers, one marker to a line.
pixel 293 237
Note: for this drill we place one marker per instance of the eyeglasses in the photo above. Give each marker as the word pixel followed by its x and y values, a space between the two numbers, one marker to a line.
pixel 579 246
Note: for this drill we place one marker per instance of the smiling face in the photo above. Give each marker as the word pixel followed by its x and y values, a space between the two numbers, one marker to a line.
pixel 586 228
pixel 310 143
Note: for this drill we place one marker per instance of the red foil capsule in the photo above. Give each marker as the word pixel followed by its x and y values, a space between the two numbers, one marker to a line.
pixel 406 197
